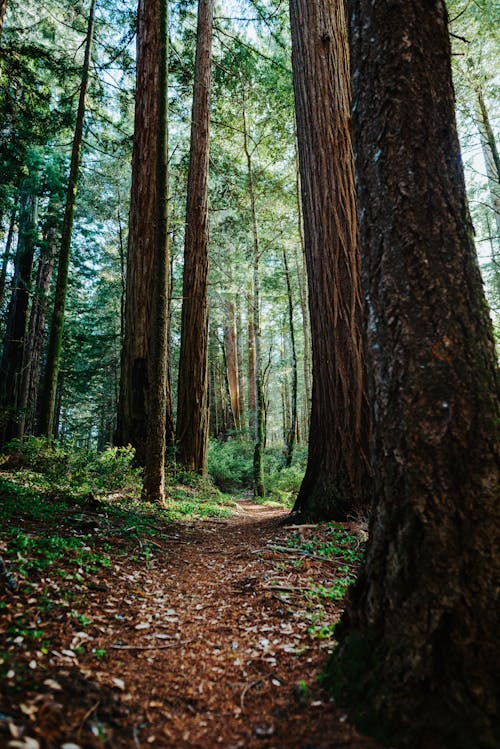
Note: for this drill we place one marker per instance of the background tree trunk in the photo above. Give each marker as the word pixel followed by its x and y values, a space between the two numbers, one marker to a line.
pixel 292 431
pixel 337 480
pixel 136 364
pixel 259 413
pixel 419 655
pixel 231 354
pixel 192 408
pixel 48 399
pixel 11 366
pixel 158 420
pixel 34 339
pixel 491 158
pixel 7 252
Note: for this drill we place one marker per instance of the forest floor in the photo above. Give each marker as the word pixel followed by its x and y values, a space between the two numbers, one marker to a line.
pixel 204 634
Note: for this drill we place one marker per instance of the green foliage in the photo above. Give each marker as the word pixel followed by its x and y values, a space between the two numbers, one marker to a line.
pixel 74 471
pixel 230 465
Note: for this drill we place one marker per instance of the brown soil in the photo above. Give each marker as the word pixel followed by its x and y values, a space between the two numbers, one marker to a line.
pixel 199 651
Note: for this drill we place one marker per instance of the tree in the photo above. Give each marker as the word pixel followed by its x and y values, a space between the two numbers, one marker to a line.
pixel 417 661
pixel 154 469
pixel 48 396
pixel 11 365
pixel 192 410
pixel 136 403
pixel 337 480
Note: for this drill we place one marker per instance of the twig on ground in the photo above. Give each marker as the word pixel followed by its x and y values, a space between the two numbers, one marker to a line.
pixel 153 647
pixel 247 688
pixel 87 715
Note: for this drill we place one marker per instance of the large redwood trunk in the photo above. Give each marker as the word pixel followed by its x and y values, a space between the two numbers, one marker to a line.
pixel 337 481
pixel 418 663
pixel 136 366
pixel 192 409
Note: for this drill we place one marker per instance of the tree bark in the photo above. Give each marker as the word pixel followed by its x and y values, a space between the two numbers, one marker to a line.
pixel 292 432
pixel 259 413
pixel 337 481
pixel 252 399
pixel 136 402
pixel 300 261
pixel 48 400
pixel 231 355
pixel 192 408
pixel 491 157
pixel 7 251
pixel 159 415
pixel 34 340
pixel 418 660
pixel 11 366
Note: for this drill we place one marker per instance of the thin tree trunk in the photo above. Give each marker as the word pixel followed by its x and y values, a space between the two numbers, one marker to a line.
pixel 292 433
pixel 241 378
pixel 491 158
pixel 259 417
pixel 158 428
pixel 300 261
pixel 231 356
pixel 47 404
pixel 7 251
pixel 123 278
pixel 419 660
pixel 11 367
pixel 136 401
pixel 337 480
pixel 192 408
pixel 252 398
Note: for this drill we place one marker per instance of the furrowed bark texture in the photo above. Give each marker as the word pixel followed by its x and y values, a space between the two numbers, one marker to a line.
pixel 158 424
pixel 337 476
pixel 136 402
pixel 192 409
pixel 417 661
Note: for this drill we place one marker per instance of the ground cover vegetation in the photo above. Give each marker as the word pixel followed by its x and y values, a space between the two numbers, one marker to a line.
pixel 239 277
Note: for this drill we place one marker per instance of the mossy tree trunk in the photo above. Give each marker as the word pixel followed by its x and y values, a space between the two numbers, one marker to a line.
pixel 192 408
pixel 337 480
pixel 418 661
pixel 48 395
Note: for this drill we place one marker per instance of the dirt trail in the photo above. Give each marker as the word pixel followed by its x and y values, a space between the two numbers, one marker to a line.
pixel 199 652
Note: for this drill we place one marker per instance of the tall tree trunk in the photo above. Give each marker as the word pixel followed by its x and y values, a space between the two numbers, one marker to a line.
pixel 136 402
pixel 34 340
pixel 231 355
pixel 159 415
pixel 259 417
pixel 300 262
pixel 7 251
pixel 418 662
pixel 337 480
pixel 252 398
pixel 491 157
pixel 292 432
pixel 11 367
pixel 192 405
pixel 240 359
pixel 48 399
